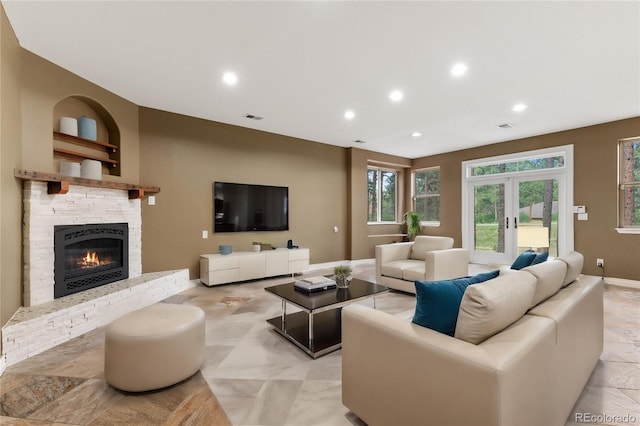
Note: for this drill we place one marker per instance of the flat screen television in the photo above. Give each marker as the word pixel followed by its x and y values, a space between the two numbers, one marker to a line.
pixel 240 207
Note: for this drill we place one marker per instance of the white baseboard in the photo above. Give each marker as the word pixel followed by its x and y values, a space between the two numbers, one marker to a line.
pixel 621 282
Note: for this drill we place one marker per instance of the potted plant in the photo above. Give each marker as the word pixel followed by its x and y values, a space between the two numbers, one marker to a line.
pixel 343 275
pixel 412 221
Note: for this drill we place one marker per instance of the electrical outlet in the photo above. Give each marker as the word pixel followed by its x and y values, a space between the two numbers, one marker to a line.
pixel 600 263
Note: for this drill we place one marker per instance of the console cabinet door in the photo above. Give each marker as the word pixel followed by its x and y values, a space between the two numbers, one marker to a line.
pixel 277 263
pixel 298 260
pixel 252 266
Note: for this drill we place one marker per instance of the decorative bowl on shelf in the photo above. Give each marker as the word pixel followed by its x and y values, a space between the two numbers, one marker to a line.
pixel 69 168
pixel 91 169
pixel 69 126
pixel 225 249
pixel 87 128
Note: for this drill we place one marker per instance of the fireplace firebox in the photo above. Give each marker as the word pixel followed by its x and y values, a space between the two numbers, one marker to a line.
pixel 88 256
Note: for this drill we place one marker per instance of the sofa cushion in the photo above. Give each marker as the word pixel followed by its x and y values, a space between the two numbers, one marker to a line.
pixel 540 257
pixel 523 260
pixel 490 307
pixel 549 279
pixel 438 302
pixel 424 243
pixel 414 273
pixel 574 261
pixel 394 268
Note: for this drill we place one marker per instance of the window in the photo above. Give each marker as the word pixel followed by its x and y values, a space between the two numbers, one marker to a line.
pixel 543 162
pixel 426 184
pixel 629 185
pixel 382 195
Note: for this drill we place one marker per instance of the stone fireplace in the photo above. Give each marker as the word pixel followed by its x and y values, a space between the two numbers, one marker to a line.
pixel 89 209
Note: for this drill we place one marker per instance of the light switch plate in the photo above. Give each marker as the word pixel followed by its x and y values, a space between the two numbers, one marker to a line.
pixel 205 234
pixel 152 200
pixel 579 209
pixel 583 216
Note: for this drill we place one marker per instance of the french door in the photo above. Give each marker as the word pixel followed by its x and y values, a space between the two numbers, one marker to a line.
pixel 506 213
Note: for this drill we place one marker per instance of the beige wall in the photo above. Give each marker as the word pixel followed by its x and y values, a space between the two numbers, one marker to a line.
pixel 10 158
pixel 595 183
pixel 44 85
pixel 185 155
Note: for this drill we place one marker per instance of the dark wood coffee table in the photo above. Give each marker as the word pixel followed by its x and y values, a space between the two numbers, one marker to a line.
pixel 317 329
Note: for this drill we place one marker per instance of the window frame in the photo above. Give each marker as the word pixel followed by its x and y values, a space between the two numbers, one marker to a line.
pixel 415 196
pixel 622 185
pixel 379 170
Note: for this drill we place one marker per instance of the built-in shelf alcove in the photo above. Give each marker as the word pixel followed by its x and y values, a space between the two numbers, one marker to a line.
pixel 106 147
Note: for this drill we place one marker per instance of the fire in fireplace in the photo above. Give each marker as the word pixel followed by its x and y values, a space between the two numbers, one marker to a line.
pixel 88 256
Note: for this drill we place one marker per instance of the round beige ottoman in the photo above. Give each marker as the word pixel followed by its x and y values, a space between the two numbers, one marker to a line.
pixel 154 347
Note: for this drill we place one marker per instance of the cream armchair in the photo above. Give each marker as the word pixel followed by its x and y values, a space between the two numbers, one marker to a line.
pixel 427 258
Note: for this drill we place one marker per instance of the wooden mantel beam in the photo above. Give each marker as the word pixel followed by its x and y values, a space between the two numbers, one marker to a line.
pixel 59 184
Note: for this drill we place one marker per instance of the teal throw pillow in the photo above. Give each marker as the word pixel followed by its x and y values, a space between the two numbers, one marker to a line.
pixel 438 302
pixel 485 276
pixel 540 257
pixel 523 260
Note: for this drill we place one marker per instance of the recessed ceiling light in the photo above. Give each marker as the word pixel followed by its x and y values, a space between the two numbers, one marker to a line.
pixel 459 69
pixel 349 114
pixel 359 141
pixel 230 78
pixel 416 134
pixel 396 96
pixel 505 126
pixel 519 107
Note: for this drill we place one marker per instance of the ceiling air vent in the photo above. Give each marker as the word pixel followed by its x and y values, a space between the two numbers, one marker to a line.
pixel 253 117
pixel 359 141
pixel 505 125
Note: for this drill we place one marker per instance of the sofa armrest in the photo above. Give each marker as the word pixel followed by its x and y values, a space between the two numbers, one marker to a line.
pixel 389 252
pixel 446 264
pixel 396 372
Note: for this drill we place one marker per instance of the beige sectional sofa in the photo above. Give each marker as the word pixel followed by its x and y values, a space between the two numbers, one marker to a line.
pixel 428 258
pixel 538 334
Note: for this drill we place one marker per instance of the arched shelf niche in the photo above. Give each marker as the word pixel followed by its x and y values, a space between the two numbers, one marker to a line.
pixel 106 147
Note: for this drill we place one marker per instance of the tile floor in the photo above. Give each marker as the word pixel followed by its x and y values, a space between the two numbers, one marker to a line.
pixel 255 377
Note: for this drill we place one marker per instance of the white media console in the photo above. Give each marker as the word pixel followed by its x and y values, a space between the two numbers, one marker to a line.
pixel 247 265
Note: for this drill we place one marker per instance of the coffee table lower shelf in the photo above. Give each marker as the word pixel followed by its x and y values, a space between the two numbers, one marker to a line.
pixel 327 331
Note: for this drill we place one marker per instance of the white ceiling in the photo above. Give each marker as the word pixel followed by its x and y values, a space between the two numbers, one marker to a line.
pixel 302 64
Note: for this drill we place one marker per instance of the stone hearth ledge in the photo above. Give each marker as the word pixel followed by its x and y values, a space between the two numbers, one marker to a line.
pixel 32 330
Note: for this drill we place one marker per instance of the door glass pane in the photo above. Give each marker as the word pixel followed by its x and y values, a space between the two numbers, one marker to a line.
pixel 538 216
pixel 538 163
pixel 489 221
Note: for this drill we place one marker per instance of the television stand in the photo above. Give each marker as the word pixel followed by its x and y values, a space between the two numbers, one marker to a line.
pixel 216 269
